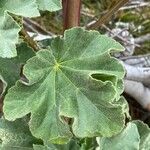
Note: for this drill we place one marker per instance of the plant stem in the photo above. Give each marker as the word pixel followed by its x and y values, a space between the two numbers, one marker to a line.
pixel 33 44
pixel 104 19
pixel 29 40
pixel 71 13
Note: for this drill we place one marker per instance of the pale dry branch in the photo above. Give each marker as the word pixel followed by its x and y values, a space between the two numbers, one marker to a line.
pixel 32 26
pixel 139 92
pixel 108 15
pixel 142 39
pixel 137 61
pixel 134 6
pixel 138 74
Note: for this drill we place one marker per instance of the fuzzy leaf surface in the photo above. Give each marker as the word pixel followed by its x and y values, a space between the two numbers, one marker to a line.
pixel 144 132
pixel 76 78
pixel 50 5
pixel 9 28
pixel 128 139
pixel 16 135
pixel 72 145
pixel 10 68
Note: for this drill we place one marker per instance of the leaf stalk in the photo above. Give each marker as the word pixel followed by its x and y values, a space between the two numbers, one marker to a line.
pixel 71 13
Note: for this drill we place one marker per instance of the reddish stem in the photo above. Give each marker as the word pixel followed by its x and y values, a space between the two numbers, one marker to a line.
pixel 71 13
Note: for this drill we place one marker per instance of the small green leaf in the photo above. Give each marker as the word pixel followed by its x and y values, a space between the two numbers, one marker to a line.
pixel 10 68
pixel 42 147
pixel 16 135
pixel 45 147
pixel 9 28
pixel 144 132
pixel 128 139
pixel 135 136
pixel 50 5
pixel 63 82
pixel 119 89
pixel 125 106
pixel 72 145
pixel 88 144
pixel 14 148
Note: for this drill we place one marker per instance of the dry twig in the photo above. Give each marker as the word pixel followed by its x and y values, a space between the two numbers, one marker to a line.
pixel 108 15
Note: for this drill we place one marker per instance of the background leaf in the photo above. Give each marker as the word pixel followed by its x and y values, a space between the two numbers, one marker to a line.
pixel 144 132
pixel 72 145
pixel 50 5
pixel 128 139
pixel 10 68
pixel 9 28
pixel 16 135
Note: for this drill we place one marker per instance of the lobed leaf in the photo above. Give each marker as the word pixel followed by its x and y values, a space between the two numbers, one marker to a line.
pixel 50 5
pixel 9 28
pixel 135 136
pixel 10 68
pixel 72 145
pixel 76 78
pixel 128 139
pixel 144 132
pixel 16 135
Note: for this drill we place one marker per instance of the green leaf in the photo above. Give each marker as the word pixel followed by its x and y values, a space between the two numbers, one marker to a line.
pixel 88 144
pixel 42 147
pixel 50 5
pixel 10 68
pixel 14 148
pixel 119 89
pixel 134 137
pixel 118 83
pixel 62 83
pixel 125 106
pixel 16 135
pixel 144 132
pixel 72 145
pixel 128 139
pixel 9 28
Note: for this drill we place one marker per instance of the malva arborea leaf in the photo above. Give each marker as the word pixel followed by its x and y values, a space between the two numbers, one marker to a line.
pixel 76 78
pixel 135 136
pixel 10 68
pixel 16 135
pixel 128 139
pixel 144 132
pixel 50 5
pixel 72 145
pixel 9 28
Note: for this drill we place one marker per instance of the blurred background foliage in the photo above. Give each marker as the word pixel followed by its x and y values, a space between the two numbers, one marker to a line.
pixel 136 14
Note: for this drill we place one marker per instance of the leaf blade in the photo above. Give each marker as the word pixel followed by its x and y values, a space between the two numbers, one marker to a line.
pixel 9 28
pixel 59 89
pixel 50 5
